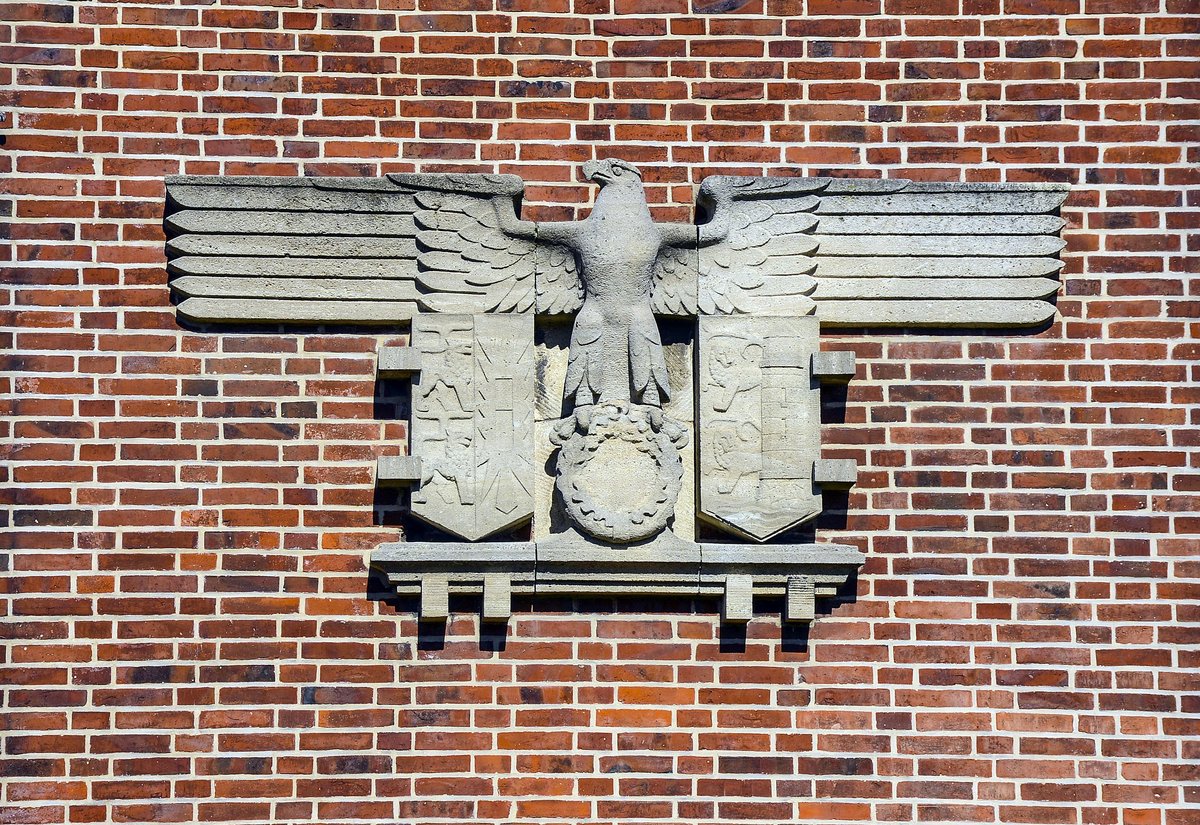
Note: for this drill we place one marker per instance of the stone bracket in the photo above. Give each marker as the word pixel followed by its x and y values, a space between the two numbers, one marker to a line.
pixel 397 470
pixel 833 367
pixel 835 473
pixel 398 362
pixel 799 573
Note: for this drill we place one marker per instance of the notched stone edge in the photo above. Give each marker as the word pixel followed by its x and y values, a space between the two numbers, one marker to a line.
pixel 800 573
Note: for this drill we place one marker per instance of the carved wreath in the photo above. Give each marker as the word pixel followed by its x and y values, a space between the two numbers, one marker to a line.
pixel 636 501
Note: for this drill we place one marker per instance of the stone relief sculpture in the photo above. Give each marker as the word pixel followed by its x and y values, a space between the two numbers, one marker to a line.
pixel 723 428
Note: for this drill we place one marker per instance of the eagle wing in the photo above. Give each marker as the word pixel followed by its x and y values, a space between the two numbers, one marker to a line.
pixel 909 254
pixel 757 247
pixel 350 250
pixel 675 281
pixel 881 252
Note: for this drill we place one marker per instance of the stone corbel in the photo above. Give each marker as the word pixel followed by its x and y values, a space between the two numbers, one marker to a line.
pixel 736 573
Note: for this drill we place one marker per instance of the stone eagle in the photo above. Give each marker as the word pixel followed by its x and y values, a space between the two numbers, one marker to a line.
pixel 855 252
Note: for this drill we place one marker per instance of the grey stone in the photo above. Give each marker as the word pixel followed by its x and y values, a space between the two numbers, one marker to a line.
pixel 312 289
pixel 576 564
pixel 497 597
pixel 738 605
pixel 393 470
pixel 758 254
pixel 946 203
pixel 398 361
pixel 287 246
pixel 940 268
pixel 250 268
pixel 835 472
pixel 319 224
pixel 1000 246
pixel 434 571
pixel 759 422
pixel 588 432
pixel 435 598
pixel 936 313
pixel 834 366
pixel 472 422
pixel 573 565
pixel 792 571
pixel 254 194
pixel 228 310
pixel 838 289
pixel 801 599
pixel 936 225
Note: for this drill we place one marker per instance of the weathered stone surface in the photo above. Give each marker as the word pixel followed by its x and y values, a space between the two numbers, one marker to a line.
pixel 397 469
pixel 435 571
pixel 227 310
pixel 313 289
pixel 969 202
pixel 665 566
pixel 771 260
pixel 739 598
pixel 319 224
pixel 835 472
pixel 398 361
pixel 1001 246
pixel 472 422
pixel 576 564
pixel 838 289
pixel 940 268
pixel 834 366
pixel 914 313
pixel 801 599
pixel 759 423
pixel 937 225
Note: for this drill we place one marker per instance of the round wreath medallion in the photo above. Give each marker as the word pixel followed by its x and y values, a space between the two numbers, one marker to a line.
pixel 620 479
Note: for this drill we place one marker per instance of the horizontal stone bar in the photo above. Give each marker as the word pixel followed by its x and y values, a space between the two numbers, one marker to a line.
pixel 1018 202
pixel 952 246
pixel 285 246
pixel 274 222
pixel 572 567
pixel 312 289
pixel 933 313
pixel 940 288
pixel 929 267
pixel 398 361
pixel 297 312
pixel 247 266
pixel 938 225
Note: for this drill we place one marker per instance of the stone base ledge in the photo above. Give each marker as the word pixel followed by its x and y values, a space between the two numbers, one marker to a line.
pixel 496 570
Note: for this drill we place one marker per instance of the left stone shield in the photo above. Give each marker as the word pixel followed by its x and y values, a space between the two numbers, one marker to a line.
pixel 472 422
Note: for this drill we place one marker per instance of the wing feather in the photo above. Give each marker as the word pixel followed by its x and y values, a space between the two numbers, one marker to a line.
pixel 675 281
pixel 259 248
pixel 761 262
pixel 291 250
pixel 938 254
pixel 881 250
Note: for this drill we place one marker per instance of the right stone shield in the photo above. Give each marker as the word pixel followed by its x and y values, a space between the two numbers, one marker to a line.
pixel 759 421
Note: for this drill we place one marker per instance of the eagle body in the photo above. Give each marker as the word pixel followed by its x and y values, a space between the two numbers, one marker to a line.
pixel 616 351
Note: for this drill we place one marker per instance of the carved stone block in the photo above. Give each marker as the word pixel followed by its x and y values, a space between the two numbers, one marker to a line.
pixel 759 422
pixel 472 422
pixel 834 366
pixel 397 469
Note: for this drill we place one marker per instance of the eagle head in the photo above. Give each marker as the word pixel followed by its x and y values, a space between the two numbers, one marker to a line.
pixel 611 171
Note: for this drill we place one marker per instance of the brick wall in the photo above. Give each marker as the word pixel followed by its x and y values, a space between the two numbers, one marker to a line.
pixel 190 631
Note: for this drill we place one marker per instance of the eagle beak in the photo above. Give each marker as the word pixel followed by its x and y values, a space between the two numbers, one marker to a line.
pixel 591 168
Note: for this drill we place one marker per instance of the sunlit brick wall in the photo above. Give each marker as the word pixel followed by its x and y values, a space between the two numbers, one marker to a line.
pixel 191 632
